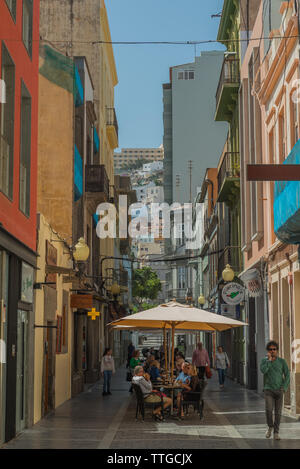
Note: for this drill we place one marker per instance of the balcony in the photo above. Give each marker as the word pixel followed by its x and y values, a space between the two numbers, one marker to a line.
pixel 96 185
pixel 210 224
pixel 226 96
pixel 178 294
pixel 229 177
pixel 125 244
pixel 112 129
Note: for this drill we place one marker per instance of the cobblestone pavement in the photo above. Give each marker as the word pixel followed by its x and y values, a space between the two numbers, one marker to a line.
pixel 233 419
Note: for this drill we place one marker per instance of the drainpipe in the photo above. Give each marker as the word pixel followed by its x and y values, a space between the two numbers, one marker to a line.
pixel 265 281
pixel 209 181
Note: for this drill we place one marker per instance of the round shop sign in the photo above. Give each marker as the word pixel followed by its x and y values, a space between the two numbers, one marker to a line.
pixel 233 293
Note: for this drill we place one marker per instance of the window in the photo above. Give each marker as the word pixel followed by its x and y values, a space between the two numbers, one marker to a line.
pixel 7 125
pixel 282 144
pixel 181 278
pixel 25 150
pixel 186 75
pixel 27 25
pixel 294 120
pixel 12 6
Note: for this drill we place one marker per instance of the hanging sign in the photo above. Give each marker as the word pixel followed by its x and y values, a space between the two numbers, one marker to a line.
pixel 252 281
pixel 233 293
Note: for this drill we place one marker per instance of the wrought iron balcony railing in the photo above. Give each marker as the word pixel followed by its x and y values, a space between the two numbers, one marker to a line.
pixel 111 119
pixel 230 75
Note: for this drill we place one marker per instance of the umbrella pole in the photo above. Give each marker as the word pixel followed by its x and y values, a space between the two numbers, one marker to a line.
pixel 172 355
pixel 165 349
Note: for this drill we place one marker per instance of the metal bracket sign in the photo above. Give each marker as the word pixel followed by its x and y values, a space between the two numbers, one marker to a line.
pixel 273 172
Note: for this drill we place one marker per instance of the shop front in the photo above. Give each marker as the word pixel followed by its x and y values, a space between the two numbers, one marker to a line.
pixel 17 264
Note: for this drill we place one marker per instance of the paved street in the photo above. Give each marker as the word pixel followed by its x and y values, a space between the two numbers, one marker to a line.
pixel 234 418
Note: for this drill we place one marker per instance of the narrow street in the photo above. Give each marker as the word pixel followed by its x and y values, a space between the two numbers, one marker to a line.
pixel 233 419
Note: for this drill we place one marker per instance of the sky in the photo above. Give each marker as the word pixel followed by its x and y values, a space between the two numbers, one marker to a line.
pixel 142 69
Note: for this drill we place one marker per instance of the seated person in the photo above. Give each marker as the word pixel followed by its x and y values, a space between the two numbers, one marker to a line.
pixel 194 383
pixel 179 355
pixel 143 380
pixel 178 365
pixel 184 379
pixel 148 363
pixel 154 371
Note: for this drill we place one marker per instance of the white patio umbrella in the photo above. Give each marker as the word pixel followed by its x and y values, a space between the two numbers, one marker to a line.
pixel 175 315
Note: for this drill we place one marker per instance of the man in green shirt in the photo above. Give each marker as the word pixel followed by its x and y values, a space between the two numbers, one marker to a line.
pixel 276 382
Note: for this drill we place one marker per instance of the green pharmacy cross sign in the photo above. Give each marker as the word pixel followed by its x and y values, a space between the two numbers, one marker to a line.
pixel 233 293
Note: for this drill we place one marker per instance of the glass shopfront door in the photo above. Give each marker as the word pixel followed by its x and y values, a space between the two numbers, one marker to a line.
pixel 3 338
pixel 22 351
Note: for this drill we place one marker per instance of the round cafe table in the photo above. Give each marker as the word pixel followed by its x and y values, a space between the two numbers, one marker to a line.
pixel 171 387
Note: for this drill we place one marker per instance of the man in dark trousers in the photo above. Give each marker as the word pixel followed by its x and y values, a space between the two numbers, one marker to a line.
pixel 276 382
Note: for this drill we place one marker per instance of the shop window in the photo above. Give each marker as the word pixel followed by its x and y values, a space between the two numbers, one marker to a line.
pixel 25 150
pixel 7 125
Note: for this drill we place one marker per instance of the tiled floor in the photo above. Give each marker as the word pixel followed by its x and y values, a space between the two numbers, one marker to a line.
pixel 233 418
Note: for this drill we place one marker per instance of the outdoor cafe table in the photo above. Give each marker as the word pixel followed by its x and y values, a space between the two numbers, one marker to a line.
pixel 171 387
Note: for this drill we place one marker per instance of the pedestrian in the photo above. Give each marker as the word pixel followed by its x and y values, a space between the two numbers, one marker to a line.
pixel 222 363
pixel 131 349
pixel 200 359
pixel 276 382
pixel 107 369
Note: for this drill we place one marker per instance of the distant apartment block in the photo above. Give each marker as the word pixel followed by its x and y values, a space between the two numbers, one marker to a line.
pixel 129 156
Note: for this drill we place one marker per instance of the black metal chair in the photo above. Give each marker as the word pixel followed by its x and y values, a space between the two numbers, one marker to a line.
pixel 194 398
pixel 141 404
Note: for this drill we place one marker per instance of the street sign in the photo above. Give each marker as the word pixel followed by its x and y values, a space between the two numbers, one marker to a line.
pixel 273 172
pixel 82 301
pixel 233 293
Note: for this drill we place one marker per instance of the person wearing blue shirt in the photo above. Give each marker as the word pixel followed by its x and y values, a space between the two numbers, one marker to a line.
pixel 154 371
pixel 184 379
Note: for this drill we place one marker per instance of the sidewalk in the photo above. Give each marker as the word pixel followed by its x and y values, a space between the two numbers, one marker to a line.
pixel 233 418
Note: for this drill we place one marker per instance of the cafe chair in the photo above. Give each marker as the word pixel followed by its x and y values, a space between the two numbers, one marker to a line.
pixel 141 404
pixel 195 399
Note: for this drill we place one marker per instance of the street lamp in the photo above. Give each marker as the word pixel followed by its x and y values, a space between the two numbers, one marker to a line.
pixel 201 300
pixel 81 253
pixel 115 290
pixel 228 274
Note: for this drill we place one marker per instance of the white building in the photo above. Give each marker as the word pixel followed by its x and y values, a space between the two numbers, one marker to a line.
pixel 154 166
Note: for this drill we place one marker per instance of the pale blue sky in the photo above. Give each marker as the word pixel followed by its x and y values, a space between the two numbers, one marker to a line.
pixel 142 69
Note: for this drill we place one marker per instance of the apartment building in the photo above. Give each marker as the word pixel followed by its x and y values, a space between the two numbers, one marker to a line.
pixel 133 156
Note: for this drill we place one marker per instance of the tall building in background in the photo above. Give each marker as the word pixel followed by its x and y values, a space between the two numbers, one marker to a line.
pixel 135 156
pixel 190 131
pixel 19 58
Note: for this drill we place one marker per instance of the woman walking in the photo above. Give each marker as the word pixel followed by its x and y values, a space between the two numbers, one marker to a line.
pixel 222 363
pixel 107 369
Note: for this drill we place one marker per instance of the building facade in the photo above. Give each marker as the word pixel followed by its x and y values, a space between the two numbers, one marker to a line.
pixel 279 99
pixel 135 156
pixel 19 54
pixel 190 132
